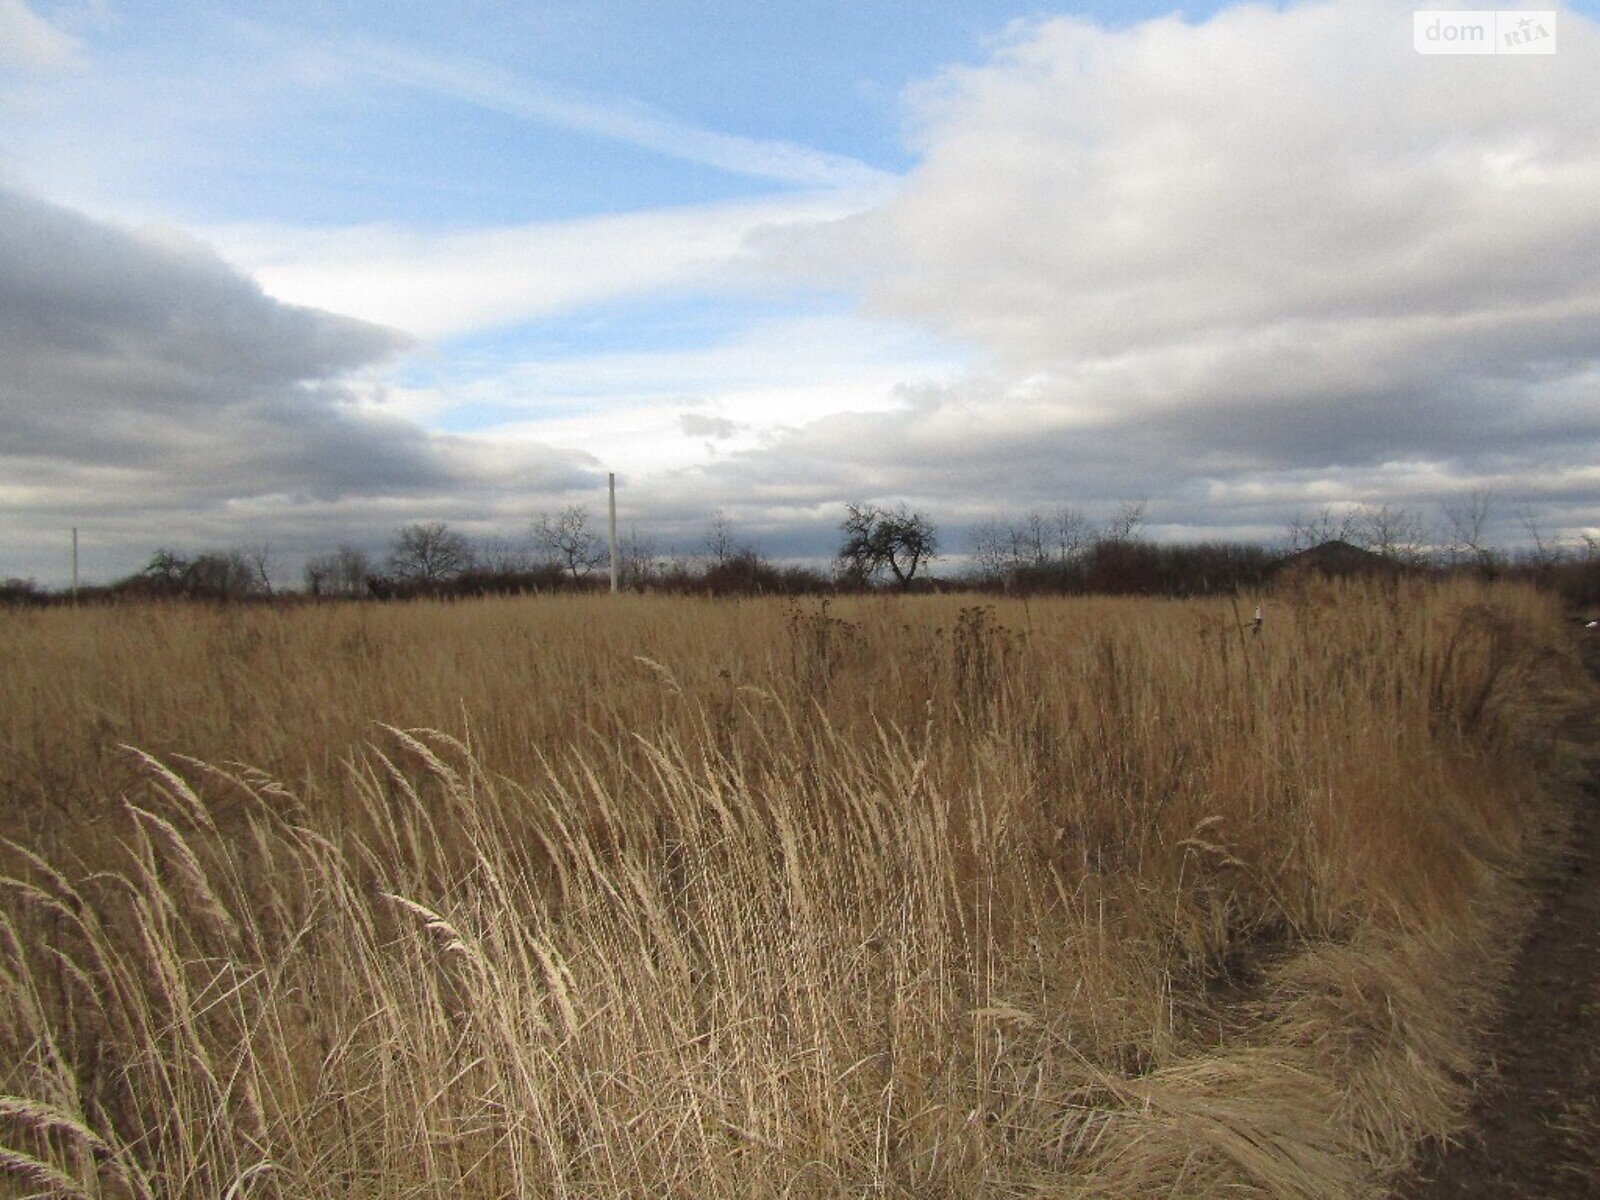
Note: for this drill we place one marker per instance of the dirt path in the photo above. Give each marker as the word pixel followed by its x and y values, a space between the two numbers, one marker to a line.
pixel 1535 1130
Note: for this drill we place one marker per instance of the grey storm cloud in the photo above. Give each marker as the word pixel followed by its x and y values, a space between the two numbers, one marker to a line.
pixel 147 385
pixel 149 352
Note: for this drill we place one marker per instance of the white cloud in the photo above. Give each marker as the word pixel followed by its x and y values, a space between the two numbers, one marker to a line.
pixel 617 119
pixel 1092 192
pixel 30 42
pixel 435 284
pixel 629 409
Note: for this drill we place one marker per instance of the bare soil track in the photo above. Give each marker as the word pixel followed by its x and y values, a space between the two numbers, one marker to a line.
pixel 1535 1128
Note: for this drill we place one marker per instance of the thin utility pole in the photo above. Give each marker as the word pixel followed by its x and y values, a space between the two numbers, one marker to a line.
pixel 612 483
pixel 74 564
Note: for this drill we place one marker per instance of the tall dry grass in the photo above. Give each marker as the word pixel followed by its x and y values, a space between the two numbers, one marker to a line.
pixel 588 897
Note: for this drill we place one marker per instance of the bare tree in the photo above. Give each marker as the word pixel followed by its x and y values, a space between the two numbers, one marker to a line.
pixel 1468 525
pixel 220 574
pixel 429 553
pixel 259 557
pixel 167 567
pixel 875 538
pixel 318 573
pixel 229 574
pixel 1394 531
pixel 568 541
pixel 989 549
pixel 1302 532
pixel 636 559
pixel 1038 540
pixel 1072 533
pixel 503 556
pixel 1125 523
pixel 351 567
pixel 342 573
pixel 1027 541
pixel 720 543
pixel 1545 551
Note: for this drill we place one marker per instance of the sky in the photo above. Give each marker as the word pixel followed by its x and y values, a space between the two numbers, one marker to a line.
pixel 293 274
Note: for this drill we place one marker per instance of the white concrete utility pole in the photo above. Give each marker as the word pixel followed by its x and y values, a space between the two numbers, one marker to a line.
pixel 74 564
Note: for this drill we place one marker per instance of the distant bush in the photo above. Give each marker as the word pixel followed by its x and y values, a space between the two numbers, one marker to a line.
pixel 21 591
pixel 747 573
pixel 210 575
pixel 1126 567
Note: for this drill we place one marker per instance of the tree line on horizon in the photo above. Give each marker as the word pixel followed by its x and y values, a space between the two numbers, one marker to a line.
pixel 1060 551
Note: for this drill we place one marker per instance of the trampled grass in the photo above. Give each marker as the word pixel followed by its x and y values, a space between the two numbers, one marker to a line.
pixel 652 897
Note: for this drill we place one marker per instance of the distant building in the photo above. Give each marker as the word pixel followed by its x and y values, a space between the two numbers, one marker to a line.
pixel 1338 559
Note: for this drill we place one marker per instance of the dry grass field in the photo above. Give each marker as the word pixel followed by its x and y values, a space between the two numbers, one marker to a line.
pixel 653 897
